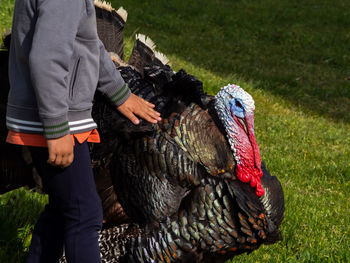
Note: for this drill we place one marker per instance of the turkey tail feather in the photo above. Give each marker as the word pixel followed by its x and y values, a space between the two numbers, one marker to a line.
pixel 160 58
pixel 110 26
pixel 144 54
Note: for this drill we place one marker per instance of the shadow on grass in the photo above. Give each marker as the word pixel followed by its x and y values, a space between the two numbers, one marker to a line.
pixel 296 50
pixel 19 211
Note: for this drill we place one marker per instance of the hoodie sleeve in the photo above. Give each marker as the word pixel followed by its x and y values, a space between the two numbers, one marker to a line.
pixel 52 48
pixel 110 81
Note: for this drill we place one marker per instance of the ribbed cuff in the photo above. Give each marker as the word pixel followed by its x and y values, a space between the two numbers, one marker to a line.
pixel 120 96
pixel 55 127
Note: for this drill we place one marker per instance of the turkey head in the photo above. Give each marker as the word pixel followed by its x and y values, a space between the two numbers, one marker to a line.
pixel 235 109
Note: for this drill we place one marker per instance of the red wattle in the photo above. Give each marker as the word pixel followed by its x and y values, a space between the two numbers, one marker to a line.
pixel 248 170
pixel 242 175
pixel 259 190
pixel 253 182
pixel 253 179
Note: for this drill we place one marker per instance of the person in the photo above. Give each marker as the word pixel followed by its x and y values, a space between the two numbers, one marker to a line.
pixel 56 63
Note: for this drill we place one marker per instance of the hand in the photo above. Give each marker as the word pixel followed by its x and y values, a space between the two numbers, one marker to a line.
pixel 60 151
pixel 135 105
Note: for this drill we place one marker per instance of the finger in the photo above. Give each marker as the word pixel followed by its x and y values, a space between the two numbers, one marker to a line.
pixel 67 160
pixel 156 113
pixel 153 117
pixel 149 104
pixel 132 117
pixel 52 158
pixel 145 105
pixel 149 118
pixel 70 158
pixel 64 162
pixel 147 110
pixel 58 161
pixel 149 115
pixel 153 114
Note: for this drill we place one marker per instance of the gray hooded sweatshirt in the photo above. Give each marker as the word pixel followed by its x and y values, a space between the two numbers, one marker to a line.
pixel 56 63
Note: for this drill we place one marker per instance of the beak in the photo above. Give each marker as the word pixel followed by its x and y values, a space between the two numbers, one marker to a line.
pixel 243 124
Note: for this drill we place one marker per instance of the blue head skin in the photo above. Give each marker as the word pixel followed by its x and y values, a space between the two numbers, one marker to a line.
pixel 236 107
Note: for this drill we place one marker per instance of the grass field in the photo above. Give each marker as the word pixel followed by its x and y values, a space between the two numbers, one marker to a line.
pixel 294 59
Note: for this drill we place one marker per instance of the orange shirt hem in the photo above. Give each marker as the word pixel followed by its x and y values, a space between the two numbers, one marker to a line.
pixel 40 141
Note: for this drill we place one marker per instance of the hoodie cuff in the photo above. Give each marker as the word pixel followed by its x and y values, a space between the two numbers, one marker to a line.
pixel 120 96
pixel 55 127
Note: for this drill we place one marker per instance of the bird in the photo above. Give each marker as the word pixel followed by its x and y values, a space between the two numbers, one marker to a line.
pixel 193 185
pixel 191 188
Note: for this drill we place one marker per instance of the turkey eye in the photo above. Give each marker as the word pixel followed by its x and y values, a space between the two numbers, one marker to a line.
pixel 236 108
pixel 238 104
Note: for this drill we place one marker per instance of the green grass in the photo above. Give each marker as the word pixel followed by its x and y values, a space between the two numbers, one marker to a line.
pixel 19 210
pixel 6 13
pixel 293 57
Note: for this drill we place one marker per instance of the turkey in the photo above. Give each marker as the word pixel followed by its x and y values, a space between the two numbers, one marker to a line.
pixel 192 183
pixel 189 189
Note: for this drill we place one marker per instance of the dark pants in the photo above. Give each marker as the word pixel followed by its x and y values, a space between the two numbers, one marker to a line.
pixel 73 216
